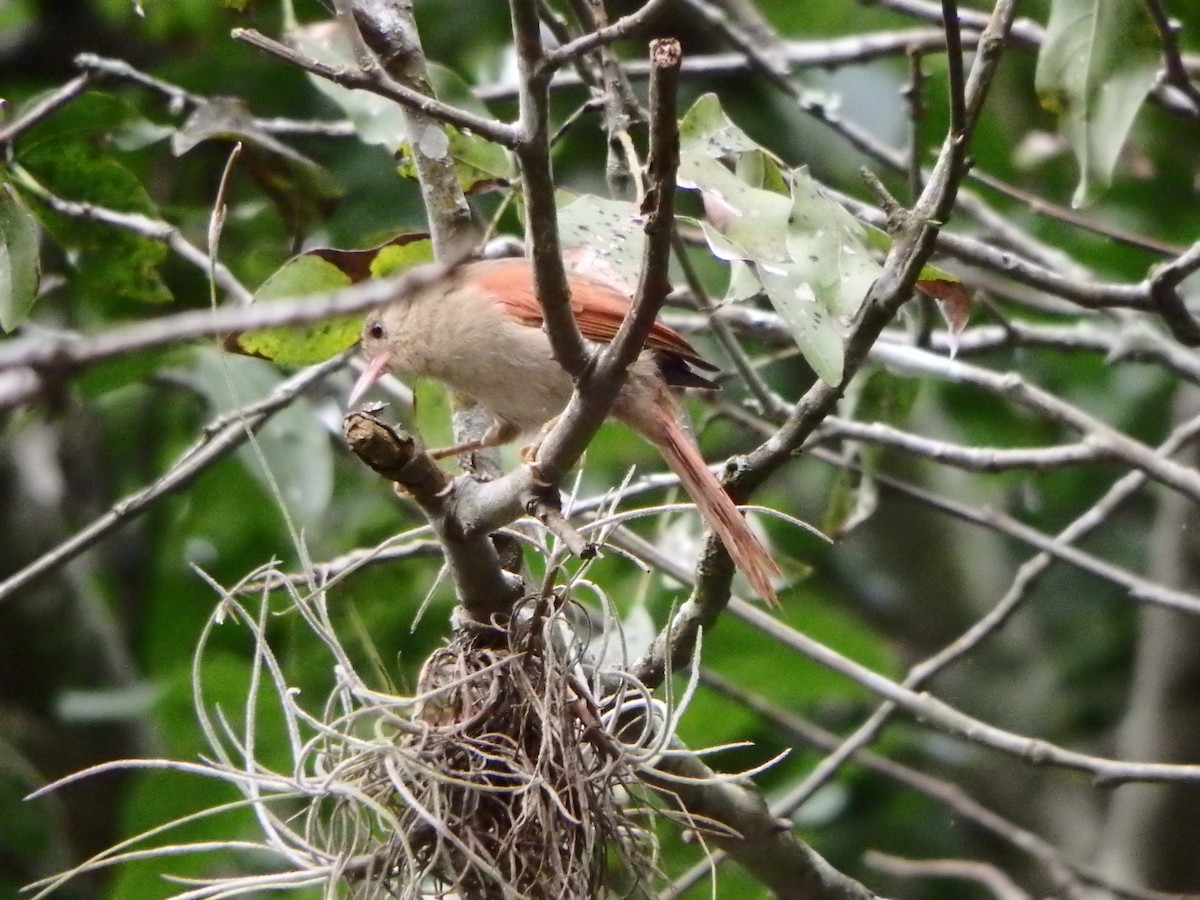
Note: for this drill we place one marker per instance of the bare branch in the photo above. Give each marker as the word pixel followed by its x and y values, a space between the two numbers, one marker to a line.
pixel 1024 31
pixel 1066 873
pixel 619 29
pixel 988 876
pixel 766 847
pixel 483 588
pixel 1176 74
pixel 972 459
pixel 1026 576
pixel 1011 385
pixel 829 53
pixel 220 437
pixel 598 388
pixel 44 107
pixel 380 83
pixel 928 709
pixel 541 212
pixel 57 356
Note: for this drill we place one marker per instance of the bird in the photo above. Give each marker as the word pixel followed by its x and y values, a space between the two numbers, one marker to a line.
pixel 478 330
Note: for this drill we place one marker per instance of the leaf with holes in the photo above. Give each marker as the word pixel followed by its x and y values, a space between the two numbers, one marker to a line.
pixel 830 245
pixel 707 132
pixel 603 238
pixel 813 324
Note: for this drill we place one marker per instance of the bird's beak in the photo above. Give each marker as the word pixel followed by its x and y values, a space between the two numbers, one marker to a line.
pixel 371 374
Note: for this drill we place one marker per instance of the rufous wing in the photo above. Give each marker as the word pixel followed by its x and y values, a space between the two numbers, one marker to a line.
pixel 599 310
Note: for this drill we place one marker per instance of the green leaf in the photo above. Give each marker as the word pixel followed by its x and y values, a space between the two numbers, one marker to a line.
pixel 706 131
pixel 300 345
pixel 880 396
pixel 296 447
pixel 604 238
pixel 111 261
pixel 71 155
pixel 759 169
pixel 752 221
pixel 318 271
pixel 810 256
pixel 814 327
pixel 96 115
pixel 19 267
pixel 302 190
pixel 830 246
pixel 432 415
pixel 479 164
pixel 1097 64
pixel 377 119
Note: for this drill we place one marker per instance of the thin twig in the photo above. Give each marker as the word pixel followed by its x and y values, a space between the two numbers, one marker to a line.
pixel 1024 579
pixel 1066 873
pixel 1041 206
pixel 830 53
pixel 1176 74
pixel 916 114
pixel 954 66
pixel 1024 31
pixel 377 82
pixel 1104 437
pixel 43 107
pixel 619 29
pixel 65 355
pixel 590 403
pixel 541 211
pixel 929 710
pixel 218 439
pixel 985 875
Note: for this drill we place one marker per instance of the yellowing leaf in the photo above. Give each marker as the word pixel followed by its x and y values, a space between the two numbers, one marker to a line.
pixel 300 345
pixel 317 271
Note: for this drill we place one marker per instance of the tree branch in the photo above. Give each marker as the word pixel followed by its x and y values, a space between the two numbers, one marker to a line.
pixel 220 437
pixel 378 82
pixel 598 388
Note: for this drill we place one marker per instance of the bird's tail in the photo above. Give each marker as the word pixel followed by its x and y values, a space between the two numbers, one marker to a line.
pixel 717 508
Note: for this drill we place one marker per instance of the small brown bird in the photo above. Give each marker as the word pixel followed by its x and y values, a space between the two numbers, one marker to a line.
pixel 479 332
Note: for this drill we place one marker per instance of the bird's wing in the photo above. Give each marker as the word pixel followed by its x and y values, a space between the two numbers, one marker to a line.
pixel 599 310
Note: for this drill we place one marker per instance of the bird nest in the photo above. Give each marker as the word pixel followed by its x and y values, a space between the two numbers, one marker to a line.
pixel 516 770
pixel 508 780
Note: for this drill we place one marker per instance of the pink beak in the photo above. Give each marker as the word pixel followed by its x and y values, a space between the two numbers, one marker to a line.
pixel 372 373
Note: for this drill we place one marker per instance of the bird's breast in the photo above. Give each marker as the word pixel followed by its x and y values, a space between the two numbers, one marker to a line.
pixel 470 345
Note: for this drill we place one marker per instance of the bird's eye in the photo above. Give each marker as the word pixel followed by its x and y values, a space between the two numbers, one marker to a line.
pixel 375 330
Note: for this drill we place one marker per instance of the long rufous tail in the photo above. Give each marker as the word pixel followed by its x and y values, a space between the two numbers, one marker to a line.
pixel 717 509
